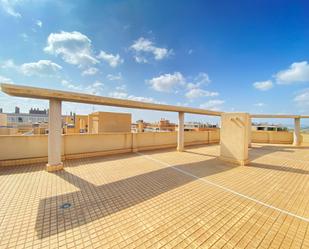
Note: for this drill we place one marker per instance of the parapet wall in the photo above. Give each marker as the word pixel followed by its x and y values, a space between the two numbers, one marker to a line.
pixel 272 137
pixel 305 139
pixel 16 150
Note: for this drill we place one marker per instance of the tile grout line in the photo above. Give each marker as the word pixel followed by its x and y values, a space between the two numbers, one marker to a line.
pixel 224 188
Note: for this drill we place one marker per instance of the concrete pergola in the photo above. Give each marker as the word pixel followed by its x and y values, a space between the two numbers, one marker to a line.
pixel 297 118
pixel 235 135
pixel 56 98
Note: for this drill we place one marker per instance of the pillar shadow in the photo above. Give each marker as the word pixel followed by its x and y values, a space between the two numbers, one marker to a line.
pixel 93 202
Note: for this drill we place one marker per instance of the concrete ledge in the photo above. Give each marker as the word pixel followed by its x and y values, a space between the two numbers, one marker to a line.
pixel 52 168
pixel 20 162
pixel 27 161
pixel 97 153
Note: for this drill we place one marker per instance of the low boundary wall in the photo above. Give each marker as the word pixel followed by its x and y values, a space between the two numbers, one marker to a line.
pixel 16 150
pixel 272 137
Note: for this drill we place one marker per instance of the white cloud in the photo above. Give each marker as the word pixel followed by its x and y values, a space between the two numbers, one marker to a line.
pixel 112 60
pixel 297 72
pixel 197 93
pixel 94 88
pixel 114 76
pixel 302 99
pixel 121 88
pixel 8 64
pixel 73 47
pixel 199 80
pixel 9 7
pixel 263 85
pixel 24 36
pixel 260 104
pixel 167 82
pixel 140 59
pixel 195 90
pixel 40 68
pixel 213 104
pixel 125 95
pixel 4 79
pixel 39 23
pixel 90 71
pixel 143 46
pixel 202 79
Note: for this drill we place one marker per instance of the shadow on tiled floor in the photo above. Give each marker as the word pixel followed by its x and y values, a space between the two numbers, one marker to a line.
pixel 94 202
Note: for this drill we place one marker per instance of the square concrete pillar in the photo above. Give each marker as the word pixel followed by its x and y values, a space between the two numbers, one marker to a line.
pixel 54 136
pixel 234 138
pixel 296 134
pixel 250 132
pixel 180 134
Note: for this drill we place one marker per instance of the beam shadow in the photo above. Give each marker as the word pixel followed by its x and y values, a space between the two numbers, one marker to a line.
pixel 279 168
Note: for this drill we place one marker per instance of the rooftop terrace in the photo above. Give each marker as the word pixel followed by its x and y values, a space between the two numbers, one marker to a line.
pixel 160 199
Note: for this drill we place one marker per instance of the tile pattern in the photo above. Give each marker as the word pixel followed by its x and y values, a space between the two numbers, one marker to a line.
pixel 130 201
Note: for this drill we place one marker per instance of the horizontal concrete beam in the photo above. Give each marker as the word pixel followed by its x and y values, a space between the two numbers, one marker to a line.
pixel 275 116
pixel 41 93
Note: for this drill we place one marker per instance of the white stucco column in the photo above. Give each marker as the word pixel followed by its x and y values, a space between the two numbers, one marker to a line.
pixel 180 134
pixel 296 140
pixel 54 136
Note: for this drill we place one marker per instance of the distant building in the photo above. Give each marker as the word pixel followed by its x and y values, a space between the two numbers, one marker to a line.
pixel 37 111
pixel 3 120
pixel 14 119
pixel 23 123
pixel 268 127
pixel 198 126
pixel 162 125
pixel 17 110
pixel 100 122
pixel 75 123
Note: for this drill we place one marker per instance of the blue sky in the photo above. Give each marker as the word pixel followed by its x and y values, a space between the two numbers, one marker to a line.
pixel 249 56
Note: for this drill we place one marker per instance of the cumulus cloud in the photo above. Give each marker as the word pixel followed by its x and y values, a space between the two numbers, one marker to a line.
pixel 40 68
pixel 4 79
pixel 297 72
pixel 39 23
pixel 260 104
pixel 112 60
pixel 197 93
pixel 90 71
pixel 202 79
pixel 195 87
pixel 73 47
pixel 140 59
pixel 114 76
pixel 9 7
pixel 8 64
pixel 94 88
pixel 263 85
pixel 302 99
pixel 167 82
pixel 214 104
pixel 121 88
pixel 143 47
pixel 125 95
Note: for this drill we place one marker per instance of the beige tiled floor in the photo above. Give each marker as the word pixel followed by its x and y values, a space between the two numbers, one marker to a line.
pixel 160 199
